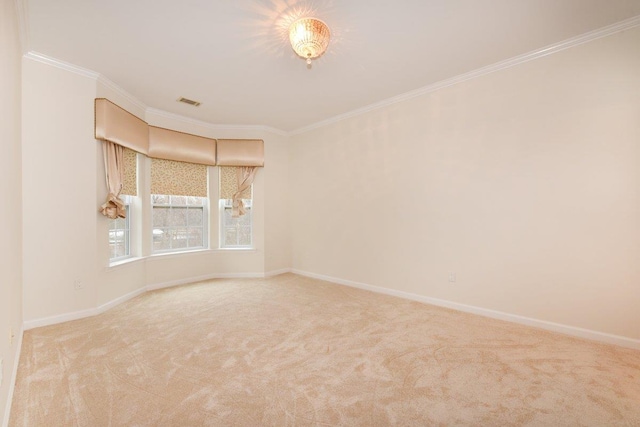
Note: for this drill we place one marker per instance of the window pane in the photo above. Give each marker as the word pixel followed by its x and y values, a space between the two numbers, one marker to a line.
pixel 245 220
pixel 195 216
pixel 227 216
pixel 120 223
pixel 160 216
pixel 178 200
pixel 179 238
pixel 177 217
pixel 180 224
pixel 119 234
pixel 236 232
pixel 230 236
pixel 196 238
pixel 120 250
pixel 195 201
pixel 161 240
pixel 159 199
pixel 244 236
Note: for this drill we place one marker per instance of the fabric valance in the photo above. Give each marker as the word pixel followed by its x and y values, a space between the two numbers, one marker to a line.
pixel 117 125
pixel 182 147
pixel 240 152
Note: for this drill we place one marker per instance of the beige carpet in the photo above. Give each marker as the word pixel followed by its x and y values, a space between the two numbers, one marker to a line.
pixel 293 351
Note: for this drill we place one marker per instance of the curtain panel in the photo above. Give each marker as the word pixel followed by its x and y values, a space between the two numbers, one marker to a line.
pixel 114 173
pixel 245 176
pixel 229 183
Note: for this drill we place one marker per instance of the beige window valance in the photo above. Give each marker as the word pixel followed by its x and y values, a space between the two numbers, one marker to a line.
pixel 117 125
pixel 182 147
pixel 240 152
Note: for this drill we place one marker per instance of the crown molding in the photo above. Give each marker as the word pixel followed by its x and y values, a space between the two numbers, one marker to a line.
pixel 35 56
pixel 120 91
pixel 23 24
pixel 517 60
pixel 208 125
pixel 85 73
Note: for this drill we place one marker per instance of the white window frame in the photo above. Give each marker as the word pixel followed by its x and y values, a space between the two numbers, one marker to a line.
pixel 226 204
pixel 126 231
pixel 205 222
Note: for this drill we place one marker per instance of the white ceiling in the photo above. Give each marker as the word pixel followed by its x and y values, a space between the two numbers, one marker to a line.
pixel 234 57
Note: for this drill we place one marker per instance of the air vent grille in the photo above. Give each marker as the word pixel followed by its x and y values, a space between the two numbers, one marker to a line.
pixel 189 101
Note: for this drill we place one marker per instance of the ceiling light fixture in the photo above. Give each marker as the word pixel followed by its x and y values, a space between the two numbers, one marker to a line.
pixel 309 38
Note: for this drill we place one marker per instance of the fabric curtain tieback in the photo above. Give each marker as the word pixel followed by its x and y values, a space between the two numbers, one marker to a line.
pixel 114 175
pixel 113 208
pixel 246 174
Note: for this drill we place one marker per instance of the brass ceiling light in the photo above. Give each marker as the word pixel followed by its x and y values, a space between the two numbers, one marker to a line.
pixel 309 38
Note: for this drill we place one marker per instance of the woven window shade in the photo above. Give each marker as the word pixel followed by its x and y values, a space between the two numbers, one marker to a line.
pixel 130 181
pixel 178 178
pixel 229 183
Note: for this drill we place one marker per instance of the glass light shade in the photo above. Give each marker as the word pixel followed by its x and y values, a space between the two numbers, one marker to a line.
pixel 309 38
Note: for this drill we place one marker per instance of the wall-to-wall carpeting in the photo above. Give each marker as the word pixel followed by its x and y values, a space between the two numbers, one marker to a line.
pixel 293 351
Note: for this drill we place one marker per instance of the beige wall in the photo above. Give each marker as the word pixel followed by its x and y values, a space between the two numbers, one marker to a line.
pixel 59 191
pixel 277 204
pixel 10 188
pixel 524 182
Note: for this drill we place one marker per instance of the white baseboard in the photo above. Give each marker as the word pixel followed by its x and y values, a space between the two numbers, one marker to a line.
pixel 114 302
pixel 514 318
pixel 179 282
pixel 12 384
pixel 60 318
pixel 277 272
pixel 66 317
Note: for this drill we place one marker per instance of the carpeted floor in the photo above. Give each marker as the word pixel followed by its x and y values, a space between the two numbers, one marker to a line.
pixel 293 351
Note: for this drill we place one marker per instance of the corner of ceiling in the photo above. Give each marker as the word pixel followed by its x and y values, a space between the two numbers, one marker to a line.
pixel 22 9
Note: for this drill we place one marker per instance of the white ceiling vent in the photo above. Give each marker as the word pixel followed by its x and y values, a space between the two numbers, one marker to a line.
pixel 189 101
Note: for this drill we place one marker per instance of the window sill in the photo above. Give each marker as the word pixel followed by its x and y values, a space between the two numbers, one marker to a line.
pixel 177 253
pixel 201 252
pixel 126 261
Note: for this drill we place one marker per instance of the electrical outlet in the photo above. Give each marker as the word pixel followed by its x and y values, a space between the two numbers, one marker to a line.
pixel 452 277
pixel 11 335
pixel 77 285
pixel 1 371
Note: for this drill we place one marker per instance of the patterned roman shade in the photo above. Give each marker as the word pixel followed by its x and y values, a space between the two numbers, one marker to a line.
pixel 130 178
pixel 229 183
pixel 178 178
